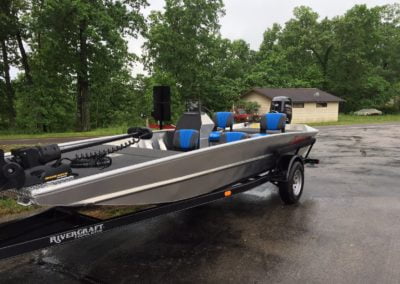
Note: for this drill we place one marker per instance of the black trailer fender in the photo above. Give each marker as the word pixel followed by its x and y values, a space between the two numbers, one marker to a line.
pixel 285 163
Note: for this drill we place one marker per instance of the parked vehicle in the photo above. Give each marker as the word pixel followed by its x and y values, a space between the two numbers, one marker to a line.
pixel 242 116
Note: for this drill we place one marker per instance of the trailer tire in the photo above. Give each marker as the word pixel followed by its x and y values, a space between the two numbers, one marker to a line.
pixel 291 190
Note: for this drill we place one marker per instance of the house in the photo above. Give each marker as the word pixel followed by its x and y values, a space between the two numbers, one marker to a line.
pixel 309 104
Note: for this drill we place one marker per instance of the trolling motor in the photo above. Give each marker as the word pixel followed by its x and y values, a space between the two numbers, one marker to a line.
pixel 40 164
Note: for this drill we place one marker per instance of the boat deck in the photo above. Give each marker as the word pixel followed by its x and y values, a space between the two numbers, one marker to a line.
pixel 135 155
pixel 126 157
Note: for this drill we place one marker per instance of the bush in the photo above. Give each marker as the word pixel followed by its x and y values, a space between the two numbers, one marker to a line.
pixel 249 107
pixel 392 109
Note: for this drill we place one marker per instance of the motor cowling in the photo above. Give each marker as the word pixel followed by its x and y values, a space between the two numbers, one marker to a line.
pixel 284 105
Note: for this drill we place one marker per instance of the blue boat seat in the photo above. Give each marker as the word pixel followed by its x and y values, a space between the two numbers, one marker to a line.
pixel 227 137
pixel 186 139
pixel 222 120
pixel 273 122
pixel 214 136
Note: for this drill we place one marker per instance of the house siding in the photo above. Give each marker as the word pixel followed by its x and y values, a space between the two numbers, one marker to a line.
pixel 265 103
pixel 310 112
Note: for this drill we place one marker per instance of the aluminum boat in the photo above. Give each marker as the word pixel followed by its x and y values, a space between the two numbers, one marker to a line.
pixel 198 157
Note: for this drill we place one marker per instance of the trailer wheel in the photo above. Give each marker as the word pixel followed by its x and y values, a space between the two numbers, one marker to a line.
pixel 290 191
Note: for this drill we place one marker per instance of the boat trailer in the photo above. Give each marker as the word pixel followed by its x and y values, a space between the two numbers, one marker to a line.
pixel 60 225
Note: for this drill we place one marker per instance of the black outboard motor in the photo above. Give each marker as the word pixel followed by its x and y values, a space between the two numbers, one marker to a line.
pixel 283 105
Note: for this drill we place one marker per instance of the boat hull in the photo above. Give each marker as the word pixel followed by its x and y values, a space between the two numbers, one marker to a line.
pixel 172 178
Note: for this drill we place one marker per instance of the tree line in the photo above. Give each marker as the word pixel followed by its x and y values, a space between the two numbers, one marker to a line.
pixel 76 68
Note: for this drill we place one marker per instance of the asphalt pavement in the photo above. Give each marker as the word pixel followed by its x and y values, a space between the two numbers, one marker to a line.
pixel 346 229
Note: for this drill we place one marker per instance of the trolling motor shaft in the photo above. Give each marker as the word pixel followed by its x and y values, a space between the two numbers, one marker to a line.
pixel 39 164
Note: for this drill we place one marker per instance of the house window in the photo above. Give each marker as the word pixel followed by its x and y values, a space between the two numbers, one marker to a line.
pixel 322 105
pixel 298 105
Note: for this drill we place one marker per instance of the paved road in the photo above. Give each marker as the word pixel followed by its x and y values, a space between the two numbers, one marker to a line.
pixel 345 230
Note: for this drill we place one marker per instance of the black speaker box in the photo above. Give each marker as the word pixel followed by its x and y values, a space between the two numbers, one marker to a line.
pixel 161 103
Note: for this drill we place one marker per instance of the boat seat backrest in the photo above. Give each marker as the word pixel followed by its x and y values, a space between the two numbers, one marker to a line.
pixel 223 120
pixel 273 121
pixel 186 139
pixel 227 137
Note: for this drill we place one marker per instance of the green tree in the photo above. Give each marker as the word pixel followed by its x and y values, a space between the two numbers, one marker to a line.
pixel 302 48
pixel 7 47
pixel 180 42
pixel 232 60
pixel 357 62
pixel 82 44
pixel 77 69
pixel 13 53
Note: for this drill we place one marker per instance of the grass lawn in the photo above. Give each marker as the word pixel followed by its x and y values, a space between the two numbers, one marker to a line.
pixel 8 206
pixel 344 119
pixel 7 148
pixel 347 119
pixel 93 133
pixel 106 212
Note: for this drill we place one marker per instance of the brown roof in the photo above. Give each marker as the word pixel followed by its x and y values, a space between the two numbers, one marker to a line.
pixel 298 95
